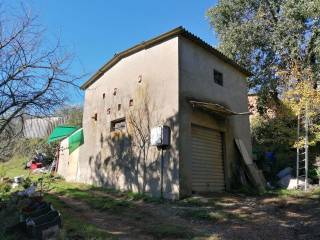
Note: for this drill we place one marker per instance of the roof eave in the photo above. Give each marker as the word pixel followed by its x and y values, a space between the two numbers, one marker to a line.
pixel 216 52
pixel 147 44
pixel 131 51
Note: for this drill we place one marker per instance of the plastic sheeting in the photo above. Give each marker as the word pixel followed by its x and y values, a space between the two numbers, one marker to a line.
pixel 75 140
pixel 61 132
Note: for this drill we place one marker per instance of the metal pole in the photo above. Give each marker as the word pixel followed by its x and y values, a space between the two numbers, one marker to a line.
pixel 161 175
pixel 298 151
pixel 306 140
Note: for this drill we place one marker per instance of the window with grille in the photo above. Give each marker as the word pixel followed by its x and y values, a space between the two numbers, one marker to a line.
pixel 118 125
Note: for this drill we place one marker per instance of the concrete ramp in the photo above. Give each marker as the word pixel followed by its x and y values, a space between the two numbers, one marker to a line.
pixel 255 175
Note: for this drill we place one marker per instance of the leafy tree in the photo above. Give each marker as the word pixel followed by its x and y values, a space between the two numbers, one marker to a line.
pixel 278 134
pixel 302 98
pixel 72 114
pixel 266 36
pixel 273 131
pixel 27 148
pixel 279 42
pixel 299 97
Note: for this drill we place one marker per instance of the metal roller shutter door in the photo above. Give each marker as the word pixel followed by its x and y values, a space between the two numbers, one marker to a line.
pixel 207 160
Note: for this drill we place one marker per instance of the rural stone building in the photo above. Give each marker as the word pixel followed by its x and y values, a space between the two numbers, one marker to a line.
pixel 174 79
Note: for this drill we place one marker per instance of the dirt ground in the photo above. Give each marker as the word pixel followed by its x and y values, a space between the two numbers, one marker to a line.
pixel 227 216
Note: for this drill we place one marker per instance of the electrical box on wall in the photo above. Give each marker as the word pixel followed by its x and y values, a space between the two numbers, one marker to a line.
pixel 160 136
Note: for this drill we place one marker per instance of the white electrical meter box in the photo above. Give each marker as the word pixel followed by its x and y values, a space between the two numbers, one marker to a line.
pixel 160 136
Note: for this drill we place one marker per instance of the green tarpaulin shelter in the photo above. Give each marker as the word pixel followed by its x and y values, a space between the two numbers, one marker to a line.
pixel 75 140
pixel 74 135
pixel 61 132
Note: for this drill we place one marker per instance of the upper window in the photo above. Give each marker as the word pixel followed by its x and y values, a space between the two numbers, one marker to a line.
pixel 119 124
pixel 218 77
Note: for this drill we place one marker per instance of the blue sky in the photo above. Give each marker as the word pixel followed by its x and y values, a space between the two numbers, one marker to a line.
pixel 94 30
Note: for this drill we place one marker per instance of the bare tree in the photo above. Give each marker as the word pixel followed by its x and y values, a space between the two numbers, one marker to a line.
pixel 33 75
pixel 140 119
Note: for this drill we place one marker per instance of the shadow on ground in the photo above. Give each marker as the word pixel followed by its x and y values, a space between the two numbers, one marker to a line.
pixel 225 216
pixel 91 212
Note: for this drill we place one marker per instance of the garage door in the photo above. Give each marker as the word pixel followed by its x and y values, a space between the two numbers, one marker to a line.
pixel 207 160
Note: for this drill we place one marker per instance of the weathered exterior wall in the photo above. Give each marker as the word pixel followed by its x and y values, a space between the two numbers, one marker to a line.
pixel 68 163
pixel 196 81
pixel 160 77
pixel 110 159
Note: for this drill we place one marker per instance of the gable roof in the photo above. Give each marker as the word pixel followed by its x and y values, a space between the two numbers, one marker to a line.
pixel 179 31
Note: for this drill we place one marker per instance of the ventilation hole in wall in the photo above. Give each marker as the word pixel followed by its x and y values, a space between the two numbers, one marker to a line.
pixel 103 95
pixel 115 91
pixel 108 111
pixel 131 103
pixel 139 78
pixel 95 117
pixel 119 107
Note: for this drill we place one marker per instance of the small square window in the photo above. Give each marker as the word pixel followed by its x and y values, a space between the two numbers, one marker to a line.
pixel 131 103
pixel 118 125
pixel 218 77
pixel 108 111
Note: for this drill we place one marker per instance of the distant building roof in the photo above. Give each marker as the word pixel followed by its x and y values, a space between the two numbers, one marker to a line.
pixel 179 31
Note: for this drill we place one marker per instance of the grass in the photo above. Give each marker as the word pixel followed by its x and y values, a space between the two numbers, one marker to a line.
pixel 284 193
pixel 99 197
pixel 116 202
pixel 74 227
pixel 15 167
pixel 122 204
pixel 89 195
pixel 143 197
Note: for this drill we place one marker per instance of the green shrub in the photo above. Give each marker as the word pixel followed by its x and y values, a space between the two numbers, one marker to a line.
pixel 26 183
pixel 29 147
pixel 276 135
pixel 4 188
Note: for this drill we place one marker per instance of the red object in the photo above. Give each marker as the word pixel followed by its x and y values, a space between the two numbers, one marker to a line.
pixel 36 165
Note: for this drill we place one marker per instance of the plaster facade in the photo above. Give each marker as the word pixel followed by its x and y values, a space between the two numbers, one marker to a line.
pixel 104 159
pixel 168 72
pixel 196 66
